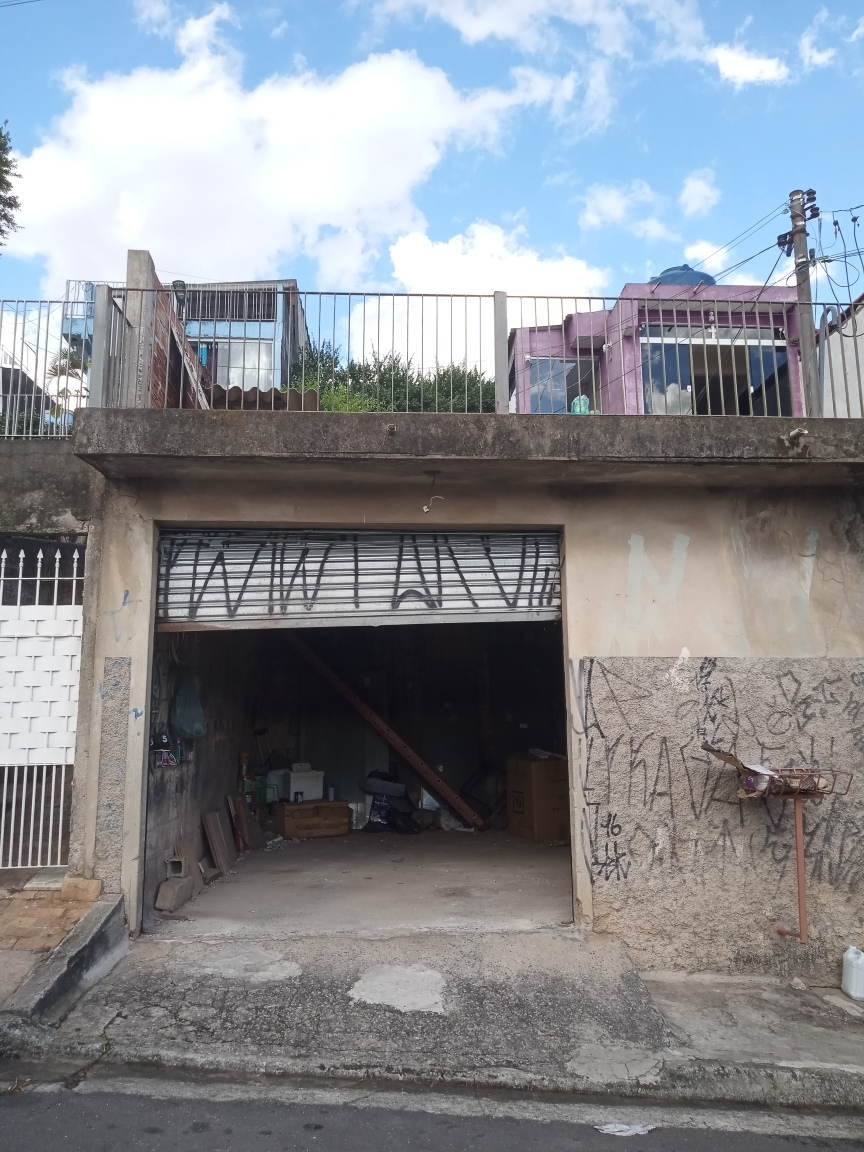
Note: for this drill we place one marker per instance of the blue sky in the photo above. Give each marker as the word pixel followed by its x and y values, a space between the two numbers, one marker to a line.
pixel 561 146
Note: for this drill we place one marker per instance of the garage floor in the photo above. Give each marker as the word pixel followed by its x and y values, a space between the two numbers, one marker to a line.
pixel 384 884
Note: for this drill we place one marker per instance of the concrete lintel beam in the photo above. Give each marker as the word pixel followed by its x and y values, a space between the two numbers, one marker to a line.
pixel 726 450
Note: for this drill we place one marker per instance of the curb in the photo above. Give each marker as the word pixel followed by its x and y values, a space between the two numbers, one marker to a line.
pixel 668 1080
pixel 88 952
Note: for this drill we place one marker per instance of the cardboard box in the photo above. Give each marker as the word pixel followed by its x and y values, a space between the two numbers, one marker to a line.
pixel 315 818
pixel 538 799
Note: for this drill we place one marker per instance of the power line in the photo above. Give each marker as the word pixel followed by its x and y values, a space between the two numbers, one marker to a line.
pixel 745 234
pixel 17 3
pixel 741 263
pixel 771 273
pixel 855 241
pixel 854 208
pixel 824 260
pixel 845 259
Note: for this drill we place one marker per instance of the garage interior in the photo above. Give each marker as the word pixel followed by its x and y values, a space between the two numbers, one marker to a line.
pixel 479 702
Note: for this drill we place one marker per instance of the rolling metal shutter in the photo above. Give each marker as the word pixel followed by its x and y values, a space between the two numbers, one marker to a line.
pixel 252 579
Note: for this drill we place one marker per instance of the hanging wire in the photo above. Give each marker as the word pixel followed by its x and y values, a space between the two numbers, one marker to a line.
pixel 771 273
pixel 825 260
pixel 772 215
pixel 849 283
pixel 741 263
pixel 857 250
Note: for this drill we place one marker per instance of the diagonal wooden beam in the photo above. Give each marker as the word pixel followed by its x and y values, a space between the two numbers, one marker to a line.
pixel 440 787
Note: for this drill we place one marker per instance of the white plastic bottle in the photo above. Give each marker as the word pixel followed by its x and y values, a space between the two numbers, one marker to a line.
pixel 853 973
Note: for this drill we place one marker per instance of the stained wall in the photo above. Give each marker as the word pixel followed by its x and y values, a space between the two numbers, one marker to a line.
pixel 738 575
pixel 688 874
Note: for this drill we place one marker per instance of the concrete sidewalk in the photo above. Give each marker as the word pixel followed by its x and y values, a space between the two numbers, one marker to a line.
pixel 549 1011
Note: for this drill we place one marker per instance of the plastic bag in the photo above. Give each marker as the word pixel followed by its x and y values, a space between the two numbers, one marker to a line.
pixel 187 716
pixel 447 822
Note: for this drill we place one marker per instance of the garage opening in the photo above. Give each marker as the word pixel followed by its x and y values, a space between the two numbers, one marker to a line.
pixel 375 779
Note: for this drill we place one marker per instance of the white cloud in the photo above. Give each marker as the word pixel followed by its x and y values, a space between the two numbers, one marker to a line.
pixel 699 194
pixel 612 25
pixel 324 166
pixel 611 205
pixel 708 256
pixel 741 67
pixel 279 31
pixel 811 56
pixel 858 33
pixel 653 229
pixel 154 15
pixel 614 30
pixel 486 258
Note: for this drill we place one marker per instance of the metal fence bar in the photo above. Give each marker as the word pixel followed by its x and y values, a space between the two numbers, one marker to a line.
pixel 673 351
pixel 34 818
pixel 30 585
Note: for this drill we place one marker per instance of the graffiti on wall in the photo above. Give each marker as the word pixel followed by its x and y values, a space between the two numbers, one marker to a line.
pixel 295 575
pixel 656 805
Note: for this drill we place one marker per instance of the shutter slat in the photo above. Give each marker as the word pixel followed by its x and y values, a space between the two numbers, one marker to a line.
pixel 320 578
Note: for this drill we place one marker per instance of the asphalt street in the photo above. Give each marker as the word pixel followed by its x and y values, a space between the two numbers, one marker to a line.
pixel 163 1115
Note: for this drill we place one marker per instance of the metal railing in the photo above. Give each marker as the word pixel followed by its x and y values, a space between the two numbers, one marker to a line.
pixel 50 575
pixel 658 350
pixel 44 365
pixel 269 347
pixel 35 809
pixel 671 351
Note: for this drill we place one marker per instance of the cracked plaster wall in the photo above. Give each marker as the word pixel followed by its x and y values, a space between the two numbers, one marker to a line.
pixel 682 870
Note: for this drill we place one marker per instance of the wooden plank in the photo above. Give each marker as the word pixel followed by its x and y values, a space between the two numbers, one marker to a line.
pixel 245 823
pixel 221 839
pixel 435 783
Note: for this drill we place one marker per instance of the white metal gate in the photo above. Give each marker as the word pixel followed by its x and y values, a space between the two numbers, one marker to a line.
pixel 253 579
pixel 40 652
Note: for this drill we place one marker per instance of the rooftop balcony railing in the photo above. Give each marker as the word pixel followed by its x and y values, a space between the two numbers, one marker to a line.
pixel 654 350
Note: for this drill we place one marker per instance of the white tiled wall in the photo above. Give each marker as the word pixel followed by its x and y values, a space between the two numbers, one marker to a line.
pixel 40 657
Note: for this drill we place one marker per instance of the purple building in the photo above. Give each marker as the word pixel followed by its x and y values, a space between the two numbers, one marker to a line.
pixel 664 348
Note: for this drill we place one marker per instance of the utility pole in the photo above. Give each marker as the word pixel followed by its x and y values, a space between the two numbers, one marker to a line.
pixel 799 204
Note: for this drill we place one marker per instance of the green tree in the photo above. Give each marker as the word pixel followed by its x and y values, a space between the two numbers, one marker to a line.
pixel 390 383
pixel 67 362
pixel 9 204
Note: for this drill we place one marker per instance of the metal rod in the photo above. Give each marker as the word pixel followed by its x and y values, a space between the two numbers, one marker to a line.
pixel 429 775
pixel 801 871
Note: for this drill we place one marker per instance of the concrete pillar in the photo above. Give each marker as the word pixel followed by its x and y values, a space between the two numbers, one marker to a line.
pixel 573 609
pixel 112 848
pixel 100 361
pixel 502 362
pixel 141 282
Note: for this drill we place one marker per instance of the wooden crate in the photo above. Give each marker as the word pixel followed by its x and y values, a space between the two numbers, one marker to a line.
pixel 313 818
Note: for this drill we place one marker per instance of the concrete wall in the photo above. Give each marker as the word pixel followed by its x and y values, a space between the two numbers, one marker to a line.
pixel 735 574
pixel 685 872
pixel 48 491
